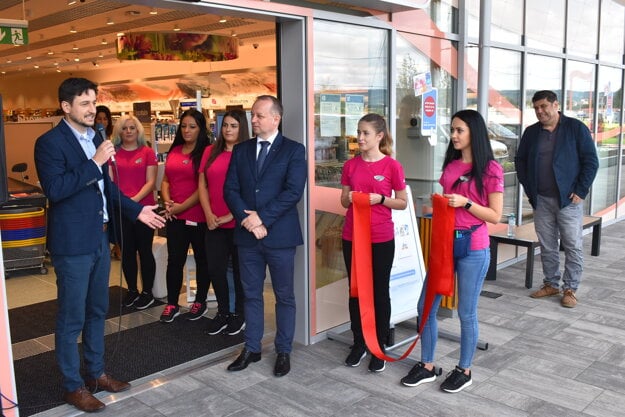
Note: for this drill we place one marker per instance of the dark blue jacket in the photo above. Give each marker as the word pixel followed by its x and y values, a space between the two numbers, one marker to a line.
pixel 273 193
pixel 70 182
pixel 575 161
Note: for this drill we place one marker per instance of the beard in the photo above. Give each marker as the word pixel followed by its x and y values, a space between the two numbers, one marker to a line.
pixel 83 121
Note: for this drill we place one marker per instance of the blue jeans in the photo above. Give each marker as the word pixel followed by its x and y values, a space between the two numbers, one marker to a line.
pixel 471 271
pixel 551 222
pixel 253 261
pixel 82 284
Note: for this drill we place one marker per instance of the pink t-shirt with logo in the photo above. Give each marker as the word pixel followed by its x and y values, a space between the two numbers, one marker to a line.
pixel 183 182
pixel 493 183
pixel 215 178
pixel 132 167
pixel 380 177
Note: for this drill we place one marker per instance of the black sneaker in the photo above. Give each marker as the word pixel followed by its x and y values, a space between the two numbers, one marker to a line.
pixel 236 323
pixel 170 312
pixel 376 364
pixel 196 311
pixel 456 380
pixel 217 324
pixel 131 297
pixel 357 354
pixel 419 375
pixel 145 300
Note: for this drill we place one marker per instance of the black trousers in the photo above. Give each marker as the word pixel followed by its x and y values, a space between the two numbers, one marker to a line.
pixel 382 259
pixel 219 249
pixel 137 238
pixel 179 237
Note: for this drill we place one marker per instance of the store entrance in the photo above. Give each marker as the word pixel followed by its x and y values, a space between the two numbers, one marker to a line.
pixel 32 295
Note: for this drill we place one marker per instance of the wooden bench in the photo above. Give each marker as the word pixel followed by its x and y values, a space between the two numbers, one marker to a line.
pixel 525 236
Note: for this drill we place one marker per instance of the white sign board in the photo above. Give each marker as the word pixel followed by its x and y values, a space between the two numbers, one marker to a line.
pixel 408 272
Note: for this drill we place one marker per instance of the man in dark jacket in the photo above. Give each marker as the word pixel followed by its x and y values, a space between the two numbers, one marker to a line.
pixel 556 163
pixel 71 161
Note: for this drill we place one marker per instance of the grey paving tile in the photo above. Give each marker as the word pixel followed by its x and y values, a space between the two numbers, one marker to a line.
pixel 563 392
pixel 608 404
pixel 604 375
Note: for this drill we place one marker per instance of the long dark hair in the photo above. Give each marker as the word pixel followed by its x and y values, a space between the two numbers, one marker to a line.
pixel 220 144
pixel 107 113
pixel 203 138
pixel 481 151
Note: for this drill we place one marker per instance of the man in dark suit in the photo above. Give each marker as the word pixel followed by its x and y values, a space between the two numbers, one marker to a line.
pixel 71 161
pixel 263 198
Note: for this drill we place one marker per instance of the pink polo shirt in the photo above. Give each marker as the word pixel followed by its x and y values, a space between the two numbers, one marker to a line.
pixel 183 182
pixel 215 178
pixel 132 168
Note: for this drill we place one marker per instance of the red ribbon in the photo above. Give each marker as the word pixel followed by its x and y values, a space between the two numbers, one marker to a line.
pixel 440 275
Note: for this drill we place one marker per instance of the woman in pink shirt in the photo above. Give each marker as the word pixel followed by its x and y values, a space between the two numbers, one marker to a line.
pixel 473 183
pixel 135 175
pixel 186 223
pixel 373 171
pixel 219 238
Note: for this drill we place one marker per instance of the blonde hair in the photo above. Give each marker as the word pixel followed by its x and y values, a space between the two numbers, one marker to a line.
pixel 119 125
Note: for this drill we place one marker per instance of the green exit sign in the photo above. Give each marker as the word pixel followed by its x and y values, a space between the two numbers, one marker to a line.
pixel 13 32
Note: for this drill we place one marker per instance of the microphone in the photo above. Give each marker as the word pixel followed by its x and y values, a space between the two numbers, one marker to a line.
pixel 100 128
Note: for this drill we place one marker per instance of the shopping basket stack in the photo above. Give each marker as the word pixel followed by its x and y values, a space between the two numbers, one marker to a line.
pixel 23 233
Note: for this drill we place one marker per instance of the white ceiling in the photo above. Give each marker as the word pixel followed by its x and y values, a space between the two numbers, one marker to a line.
pixel 51 45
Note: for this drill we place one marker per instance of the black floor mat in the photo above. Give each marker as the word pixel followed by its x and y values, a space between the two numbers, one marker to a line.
pixel 36 320
pixel 130 354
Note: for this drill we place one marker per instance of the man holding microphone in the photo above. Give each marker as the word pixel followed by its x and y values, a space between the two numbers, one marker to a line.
pixel 71 163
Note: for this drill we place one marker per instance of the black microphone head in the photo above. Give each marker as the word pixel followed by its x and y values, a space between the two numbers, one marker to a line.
pixel 99 127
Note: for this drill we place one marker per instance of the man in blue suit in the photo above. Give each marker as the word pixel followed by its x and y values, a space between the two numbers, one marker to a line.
pixel 71 161
pixel 265 181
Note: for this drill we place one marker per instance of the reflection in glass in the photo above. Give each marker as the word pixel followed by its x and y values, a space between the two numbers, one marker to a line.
pixel 605 189
pixel 507 21
pixel 420 155
pixel 351 80
pixel 543 73
pixel 504 118
pixel 610 49
pixel 582 28
pixel 351 72
pixel 580 91
pixel 444 13
pixel 545 25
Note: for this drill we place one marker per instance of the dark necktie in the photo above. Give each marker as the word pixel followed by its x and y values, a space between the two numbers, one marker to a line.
pixel 264 144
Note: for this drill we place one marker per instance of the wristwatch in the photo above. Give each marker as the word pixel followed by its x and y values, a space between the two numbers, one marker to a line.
pixel 468 205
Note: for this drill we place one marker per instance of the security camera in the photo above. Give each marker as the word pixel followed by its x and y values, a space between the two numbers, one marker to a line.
pixel 255 45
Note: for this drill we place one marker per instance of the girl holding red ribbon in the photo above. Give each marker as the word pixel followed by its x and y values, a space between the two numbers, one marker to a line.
pixel 472 183
pixel 372 176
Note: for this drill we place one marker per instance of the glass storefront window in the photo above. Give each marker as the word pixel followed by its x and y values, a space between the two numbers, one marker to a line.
pixel 351 79
pixel 580 96
pixel 504 117
pixel 612 31
pixel 421 155
pixel 544 24
pixel 444 14
pixel 351 72
pixel 582 28
pixel 608 135
pixel 507 21
pixel 543 73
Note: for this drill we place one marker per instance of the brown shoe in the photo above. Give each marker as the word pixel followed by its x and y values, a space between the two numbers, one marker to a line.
pixel 83 400
pixel 568 299
pixel 107 383
pixel 545 291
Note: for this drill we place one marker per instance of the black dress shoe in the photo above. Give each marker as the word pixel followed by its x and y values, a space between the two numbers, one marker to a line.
pixel 245 358
pixel 283 364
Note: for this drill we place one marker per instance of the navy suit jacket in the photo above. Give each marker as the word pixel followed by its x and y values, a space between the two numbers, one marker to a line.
pixel 70 182
pixel 273 193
